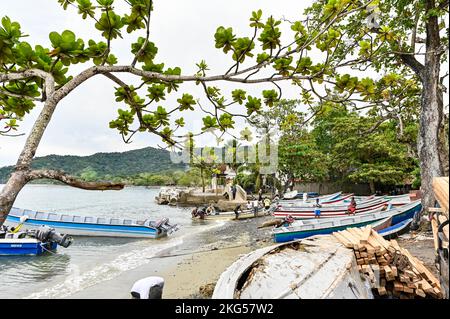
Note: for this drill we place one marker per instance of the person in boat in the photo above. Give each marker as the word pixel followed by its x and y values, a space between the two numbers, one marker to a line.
pixel 305 197
pixel 352 207
pixel 285 222
pixel 317 207
pixel 260 195
pixel 267 203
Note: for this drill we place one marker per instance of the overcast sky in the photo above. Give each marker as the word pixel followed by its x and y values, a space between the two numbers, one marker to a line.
pixel 183 31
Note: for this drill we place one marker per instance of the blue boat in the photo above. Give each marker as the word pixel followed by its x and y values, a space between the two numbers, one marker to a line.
pixel 396 230
pixel 15 242
pixel 76 225
pixel 25 246
pixel 306 228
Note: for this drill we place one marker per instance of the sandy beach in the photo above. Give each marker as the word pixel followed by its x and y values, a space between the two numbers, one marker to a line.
pixel 192 268
pixel 197 262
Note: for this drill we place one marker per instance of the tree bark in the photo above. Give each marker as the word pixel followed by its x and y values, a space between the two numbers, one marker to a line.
pixel 9 193
pixel 428 143
pixel 22 173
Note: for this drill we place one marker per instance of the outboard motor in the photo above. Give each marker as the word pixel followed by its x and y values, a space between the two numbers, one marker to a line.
pixel 45 233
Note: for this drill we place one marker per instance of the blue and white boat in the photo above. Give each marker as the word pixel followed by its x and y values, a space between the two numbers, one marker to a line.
pixel 30 242
pixel 25 246
pixel 307 228
pixel 396 230
pixel 76 225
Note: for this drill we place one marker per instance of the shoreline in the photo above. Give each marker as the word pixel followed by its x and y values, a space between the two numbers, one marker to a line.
pixel 197 262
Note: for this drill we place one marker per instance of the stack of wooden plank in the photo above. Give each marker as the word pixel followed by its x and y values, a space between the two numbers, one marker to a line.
pixel 391 269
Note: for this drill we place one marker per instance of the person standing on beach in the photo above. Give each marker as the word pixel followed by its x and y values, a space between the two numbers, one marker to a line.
pixel 236 210
pixel 233 191
pixel 317 207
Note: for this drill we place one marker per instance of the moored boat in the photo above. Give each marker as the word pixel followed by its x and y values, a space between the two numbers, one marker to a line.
pixel 31 242
pixel 396 230
pixel 76 225
pixel 308 228
pixel 328 211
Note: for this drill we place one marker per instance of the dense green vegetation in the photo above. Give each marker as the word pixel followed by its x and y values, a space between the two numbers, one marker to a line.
pixel 341 145
pixel 147 166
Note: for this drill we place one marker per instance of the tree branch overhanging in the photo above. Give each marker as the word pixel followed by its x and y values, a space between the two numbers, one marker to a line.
pixel 73 181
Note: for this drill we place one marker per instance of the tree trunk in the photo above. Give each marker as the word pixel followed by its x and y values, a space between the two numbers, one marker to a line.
pixel 14 185
pixel 203 179
pixel 431 111
pixel 372 187
pixel 19 177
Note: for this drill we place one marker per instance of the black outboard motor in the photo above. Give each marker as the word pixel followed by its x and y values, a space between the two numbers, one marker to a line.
pixel 45 233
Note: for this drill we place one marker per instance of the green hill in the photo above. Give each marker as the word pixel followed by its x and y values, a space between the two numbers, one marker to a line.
pixel 106 165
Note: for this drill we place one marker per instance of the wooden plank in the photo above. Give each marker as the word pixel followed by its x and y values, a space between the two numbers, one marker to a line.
pixel 434 227
pixel 352 239
pixel 366 231
pixel 420 292
pixel 440 188
pixel 382 291
pixel 394 271
pixel 423 270
pixel 343 240
pixel 398 286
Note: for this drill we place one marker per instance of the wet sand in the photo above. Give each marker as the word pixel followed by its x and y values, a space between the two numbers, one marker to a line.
pixel 197 262
pixel 191 269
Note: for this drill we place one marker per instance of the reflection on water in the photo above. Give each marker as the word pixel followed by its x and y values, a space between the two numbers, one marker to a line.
pixel 26 269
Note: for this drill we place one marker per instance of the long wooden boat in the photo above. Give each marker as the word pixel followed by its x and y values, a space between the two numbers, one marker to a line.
pixel 395 200
pixel 92 226
pixel 312 201
pixel 299 197
pixel 396 230
pixel 315 268
pixel 308 228
pixel 328 211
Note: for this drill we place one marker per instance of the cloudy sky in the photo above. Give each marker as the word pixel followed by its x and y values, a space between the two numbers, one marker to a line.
pixel 183 30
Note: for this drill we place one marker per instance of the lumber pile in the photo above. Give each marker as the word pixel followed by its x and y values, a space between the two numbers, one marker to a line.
pixel 391 270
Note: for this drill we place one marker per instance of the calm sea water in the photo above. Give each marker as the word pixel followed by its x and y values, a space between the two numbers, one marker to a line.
pixel 89 260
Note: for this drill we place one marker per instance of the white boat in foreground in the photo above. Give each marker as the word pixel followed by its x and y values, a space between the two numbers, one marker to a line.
pixel 314 268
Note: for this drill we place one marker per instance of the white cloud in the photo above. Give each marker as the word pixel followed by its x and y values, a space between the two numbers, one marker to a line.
pixel 184 33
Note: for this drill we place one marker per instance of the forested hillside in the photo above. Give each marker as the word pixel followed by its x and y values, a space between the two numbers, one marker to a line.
pixel 101 165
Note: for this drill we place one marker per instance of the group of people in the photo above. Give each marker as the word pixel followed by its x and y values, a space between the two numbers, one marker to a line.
pixel 201 212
